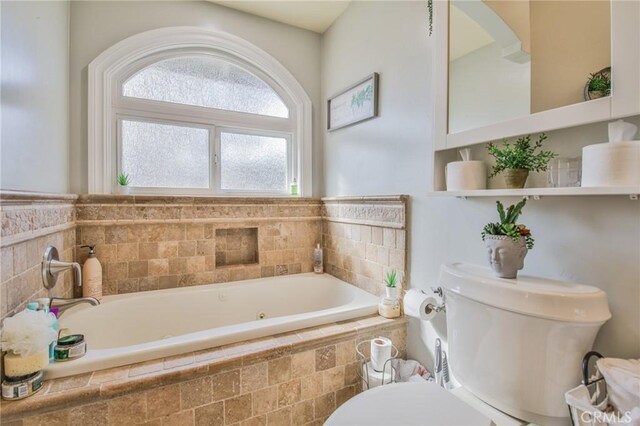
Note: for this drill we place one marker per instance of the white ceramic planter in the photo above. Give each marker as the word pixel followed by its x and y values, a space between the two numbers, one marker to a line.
pixel 122 190
pixel 393 292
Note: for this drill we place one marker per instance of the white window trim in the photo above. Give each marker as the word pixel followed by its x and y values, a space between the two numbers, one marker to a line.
pixel 105 73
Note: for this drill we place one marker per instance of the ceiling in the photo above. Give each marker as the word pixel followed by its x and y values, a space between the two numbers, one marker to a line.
pixel 313 15
pixel 468 35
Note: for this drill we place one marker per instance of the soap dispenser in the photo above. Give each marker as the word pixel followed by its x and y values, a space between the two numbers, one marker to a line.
pixel 92 275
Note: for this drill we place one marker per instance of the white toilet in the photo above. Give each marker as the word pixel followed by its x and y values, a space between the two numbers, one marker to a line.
pixel 515 346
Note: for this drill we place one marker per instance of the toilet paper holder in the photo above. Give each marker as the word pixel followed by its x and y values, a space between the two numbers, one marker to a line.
pixel 364 373
pixel 440 307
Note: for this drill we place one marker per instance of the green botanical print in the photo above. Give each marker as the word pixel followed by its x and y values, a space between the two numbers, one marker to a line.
pixel 362 96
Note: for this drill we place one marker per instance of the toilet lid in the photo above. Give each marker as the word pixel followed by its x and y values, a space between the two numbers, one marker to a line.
pixel 407 404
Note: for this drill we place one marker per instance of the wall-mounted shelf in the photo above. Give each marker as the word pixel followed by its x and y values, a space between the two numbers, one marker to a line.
pixel 536 193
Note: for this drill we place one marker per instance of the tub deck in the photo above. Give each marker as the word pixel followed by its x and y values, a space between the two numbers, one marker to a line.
pixel 116 383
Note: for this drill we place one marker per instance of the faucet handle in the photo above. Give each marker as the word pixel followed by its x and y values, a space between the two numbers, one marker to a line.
pixel 52 266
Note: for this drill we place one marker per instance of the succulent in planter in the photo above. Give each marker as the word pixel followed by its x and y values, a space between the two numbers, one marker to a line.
pixel 507 241
pixel 391 283
pixel 598 85
pixel 517 160
pixel 123 180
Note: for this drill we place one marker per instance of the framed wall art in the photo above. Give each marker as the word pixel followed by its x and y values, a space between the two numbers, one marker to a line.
pixel 357 103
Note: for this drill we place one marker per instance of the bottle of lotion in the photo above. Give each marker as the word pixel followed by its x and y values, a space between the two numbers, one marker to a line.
pixel 92 275
pixel 318 267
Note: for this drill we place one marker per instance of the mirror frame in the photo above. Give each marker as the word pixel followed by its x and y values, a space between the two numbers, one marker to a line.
pixel 624 101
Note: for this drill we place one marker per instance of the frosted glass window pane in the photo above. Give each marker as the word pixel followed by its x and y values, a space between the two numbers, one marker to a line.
pixel 165 156
pixel 206 82
pixel 253 163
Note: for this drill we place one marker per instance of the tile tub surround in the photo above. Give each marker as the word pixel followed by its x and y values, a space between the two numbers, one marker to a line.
pixel 31 221
pixel 149 243
pixel 291 379
pixel 152 242
pixel 364 238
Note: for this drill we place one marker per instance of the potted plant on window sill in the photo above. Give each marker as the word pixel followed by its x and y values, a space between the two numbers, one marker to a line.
pixel 123 180
pixel 507 242
pixel 516 161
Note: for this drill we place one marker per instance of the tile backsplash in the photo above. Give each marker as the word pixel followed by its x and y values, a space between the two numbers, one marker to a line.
pixel 30 222
pixel 150 242
pixel 364 238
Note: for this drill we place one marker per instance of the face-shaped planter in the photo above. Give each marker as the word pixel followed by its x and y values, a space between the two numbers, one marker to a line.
pixel 506 256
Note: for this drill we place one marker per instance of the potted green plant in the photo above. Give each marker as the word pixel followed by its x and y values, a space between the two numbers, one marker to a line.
pixel 391 283
pixel 507 241
pixel 123 181
pixel 517 160
pixel 598 85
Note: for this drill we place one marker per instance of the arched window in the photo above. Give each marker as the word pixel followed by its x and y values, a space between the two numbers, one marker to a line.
pixel 192 111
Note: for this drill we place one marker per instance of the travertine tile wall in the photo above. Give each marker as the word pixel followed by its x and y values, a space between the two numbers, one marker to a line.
pixel 29 223
pixel 149 243
pixel 273 383
pixel 364 238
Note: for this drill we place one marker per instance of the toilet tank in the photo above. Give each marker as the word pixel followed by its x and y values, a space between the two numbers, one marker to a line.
pixel 518 344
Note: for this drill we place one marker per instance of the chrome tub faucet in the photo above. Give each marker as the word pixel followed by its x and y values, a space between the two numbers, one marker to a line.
pixel 62 304
pixel 52 266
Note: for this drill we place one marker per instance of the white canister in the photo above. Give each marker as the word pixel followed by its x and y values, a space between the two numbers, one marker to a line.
pixel 611 164
pixel 466 175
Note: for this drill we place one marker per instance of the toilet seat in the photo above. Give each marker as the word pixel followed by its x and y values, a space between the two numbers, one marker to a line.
pixel 412 403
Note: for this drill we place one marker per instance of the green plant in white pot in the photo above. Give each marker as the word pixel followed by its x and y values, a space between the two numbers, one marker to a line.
pixel 123 180
pixel 507 241
pixel 598 85
pixel 391 283
pixel 517 160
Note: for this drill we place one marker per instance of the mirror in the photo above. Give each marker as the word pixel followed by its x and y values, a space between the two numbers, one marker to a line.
pixel 510 59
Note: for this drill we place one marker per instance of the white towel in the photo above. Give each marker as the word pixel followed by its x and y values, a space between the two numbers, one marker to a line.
pixel 623 384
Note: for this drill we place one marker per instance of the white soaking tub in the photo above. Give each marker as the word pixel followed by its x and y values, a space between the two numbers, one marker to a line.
pixel 136 327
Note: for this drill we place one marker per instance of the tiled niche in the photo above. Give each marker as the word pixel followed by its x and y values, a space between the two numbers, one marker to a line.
pixel 237 246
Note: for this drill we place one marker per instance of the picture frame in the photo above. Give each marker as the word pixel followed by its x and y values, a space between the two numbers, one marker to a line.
pixel 355 104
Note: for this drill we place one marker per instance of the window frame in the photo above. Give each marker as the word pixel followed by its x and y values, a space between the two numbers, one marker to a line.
pixel 163 190
pixel 107 106
pixel 218 170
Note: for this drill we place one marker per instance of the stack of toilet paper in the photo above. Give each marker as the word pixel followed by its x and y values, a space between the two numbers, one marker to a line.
pixel 616 163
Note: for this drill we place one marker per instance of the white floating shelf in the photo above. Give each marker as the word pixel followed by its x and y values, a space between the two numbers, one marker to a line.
pixel 630 191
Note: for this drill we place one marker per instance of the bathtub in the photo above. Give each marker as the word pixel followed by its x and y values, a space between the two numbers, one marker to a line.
pixel 130 328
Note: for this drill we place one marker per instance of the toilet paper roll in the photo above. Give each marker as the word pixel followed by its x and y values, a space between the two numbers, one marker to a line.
pixel 416 304
pixel 611 164
pixel 466 175
pixel 380 352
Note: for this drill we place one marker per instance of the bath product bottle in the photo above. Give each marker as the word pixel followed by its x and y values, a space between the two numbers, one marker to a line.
pixel 294 187
pixel 43 305
pixel 92 275
pixel 318 267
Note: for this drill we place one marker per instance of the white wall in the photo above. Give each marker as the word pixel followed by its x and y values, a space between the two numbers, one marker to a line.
pixel 485 88
pixel 97 25
pixel 592 240
pixel 35 96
